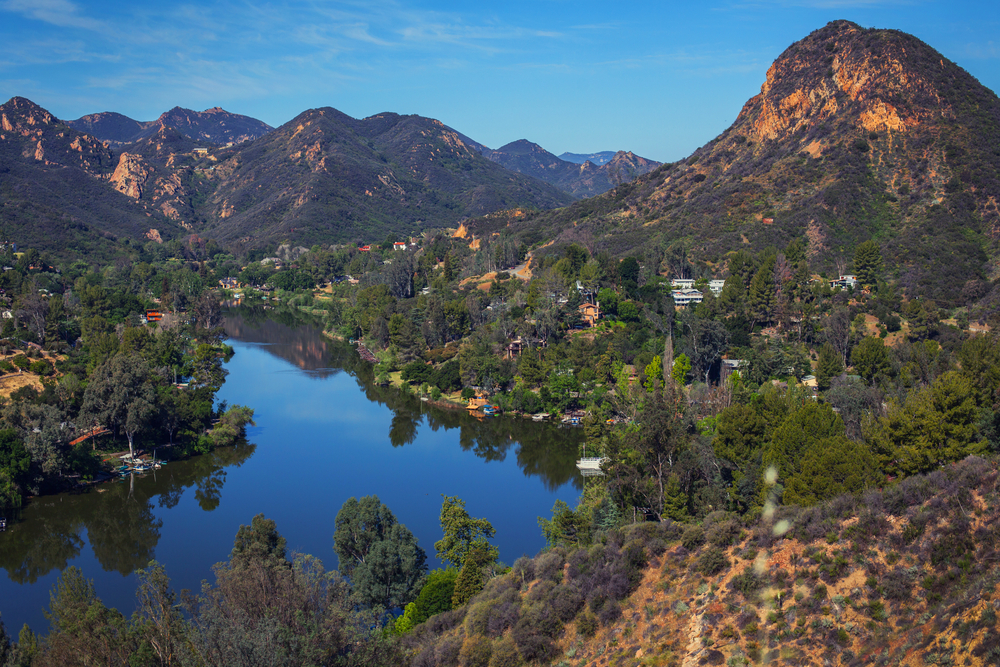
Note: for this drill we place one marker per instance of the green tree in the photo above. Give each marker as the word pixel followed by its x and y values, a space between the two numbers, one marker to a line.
pixel 682 366
pixel 762 296
pixel 83 630
pixel 936 425
pixel 472 576
pixel 868 262
pixel 870 359
pixel 435 596
pixel 797 433
pixel 378 554
pixel 120 395
pixel 566 528
pixel 14 463
pixel 830 467
pixel 675 500
pixel 828 367
pixel 461 533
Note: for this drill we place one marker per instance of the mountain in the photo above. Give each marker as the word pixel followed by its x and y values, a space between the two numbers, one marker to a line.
pixel 581 180
pixel 856 134
pixel 603 157
pixel 325 176
pixel 214 125
pixel 61 190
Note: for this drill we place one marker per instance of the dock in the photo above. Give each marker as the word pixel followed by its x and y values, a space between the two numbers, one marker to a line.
pixel 366 354
pixel 591 466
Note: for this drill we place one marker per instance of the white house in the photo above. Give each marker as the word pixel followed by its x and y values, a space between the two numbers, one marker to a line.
pixel 716 286
pixel 683 297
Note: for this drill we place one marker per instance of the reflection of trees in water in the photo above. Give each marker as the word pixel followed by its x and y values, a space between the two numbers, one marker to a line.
pixel 544 450
pixel 125 532
pixel 34 547
pixel 296 339
pixel 118 517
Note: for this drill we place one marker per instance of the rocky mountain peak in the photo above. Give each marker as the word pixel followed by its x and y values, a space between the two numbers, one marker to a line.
pixel 880 78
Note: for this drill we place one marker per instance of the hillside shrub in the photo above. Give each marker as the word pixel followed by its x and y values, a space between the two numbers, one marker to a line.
pixel 712 561
pixel 476 651
pixel 505 654
pixel 693 537
pixel 447 650
pixel 41 367
pixel 587 624
pixel 723 532
pixel 566 602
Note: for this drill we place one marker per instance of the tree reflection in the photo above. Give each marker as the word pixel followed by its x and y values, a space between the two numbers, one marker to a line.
pixel 543 450
pixel 32 548
pixel 118 517
pixel 125 533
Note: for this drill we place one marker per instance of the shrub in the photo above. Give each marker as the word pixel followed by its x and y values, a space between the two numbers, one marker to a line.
pixel 748 582
pixel 22 362
pixel 447 650
pixel 693 537
pixel 41 367
pixel 713 560
pixel 566 601
pixel 476 651
pixel 610 613
pixel 723 533
pixel 549 566
pixel 586 624
pixel 505 654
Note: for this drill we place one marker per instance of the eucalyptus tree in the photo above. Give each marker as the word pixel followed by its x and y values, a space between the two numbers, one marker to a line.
pixel 120 395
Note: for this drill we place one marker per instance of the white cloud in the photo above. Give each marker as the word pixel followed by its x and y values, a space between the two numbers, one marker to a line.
pixel 60 13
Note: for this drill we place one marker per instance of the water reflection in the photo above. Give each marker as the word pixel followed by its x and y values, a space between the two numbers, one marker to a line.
pixel 118 517
pixel 544 450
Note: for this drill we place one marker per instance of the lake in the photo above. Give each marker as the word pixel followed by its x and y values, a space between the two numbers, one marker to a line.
pixel 325 432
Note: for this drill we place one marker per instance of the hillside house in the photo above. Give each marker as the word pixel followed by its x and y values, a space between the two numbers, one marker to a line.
pixel 365 248
pixel 682 283
pixel 399 245
pixel 590 313
pixel 685 297
pixel 716 286
pixel 229 283
pixel 844 282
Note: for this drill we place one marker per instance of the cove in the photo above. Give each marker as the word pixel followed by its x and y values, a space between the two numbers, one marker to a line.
pixel 325 432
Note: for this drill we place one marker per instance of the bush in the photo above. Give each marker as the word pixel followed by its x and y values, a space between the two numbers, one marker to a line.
pixel 693 538
pixel 586 624
pixel 41 367
pixel 566 601
pixel 549 566
pixel 723 533
pixel 713 560
pixel 476 651
pixel 748 582
pixel 22 362
pixel 505 654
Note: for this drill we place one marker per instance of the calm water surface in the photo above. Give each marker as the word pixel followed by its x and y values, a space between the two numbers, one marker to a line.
pixel 324 433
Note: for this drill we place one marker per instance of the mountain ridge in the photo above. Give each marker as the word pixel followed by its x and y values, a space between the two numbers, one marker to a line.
pixel 214 125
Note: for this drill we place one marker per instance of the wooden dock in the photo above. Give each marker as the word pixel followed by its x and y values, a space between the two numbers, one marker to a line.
pixel 366 354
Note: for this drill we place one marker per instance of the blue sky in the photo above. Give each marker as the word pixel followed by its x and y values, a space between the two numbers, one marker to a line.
pixel 657 77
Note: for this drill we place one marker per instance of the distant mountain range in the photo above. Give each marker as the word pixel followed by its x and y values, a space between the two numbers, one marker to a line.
pixel 597 158
pixel 856 134
pixel 584 179
pixel 215 126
